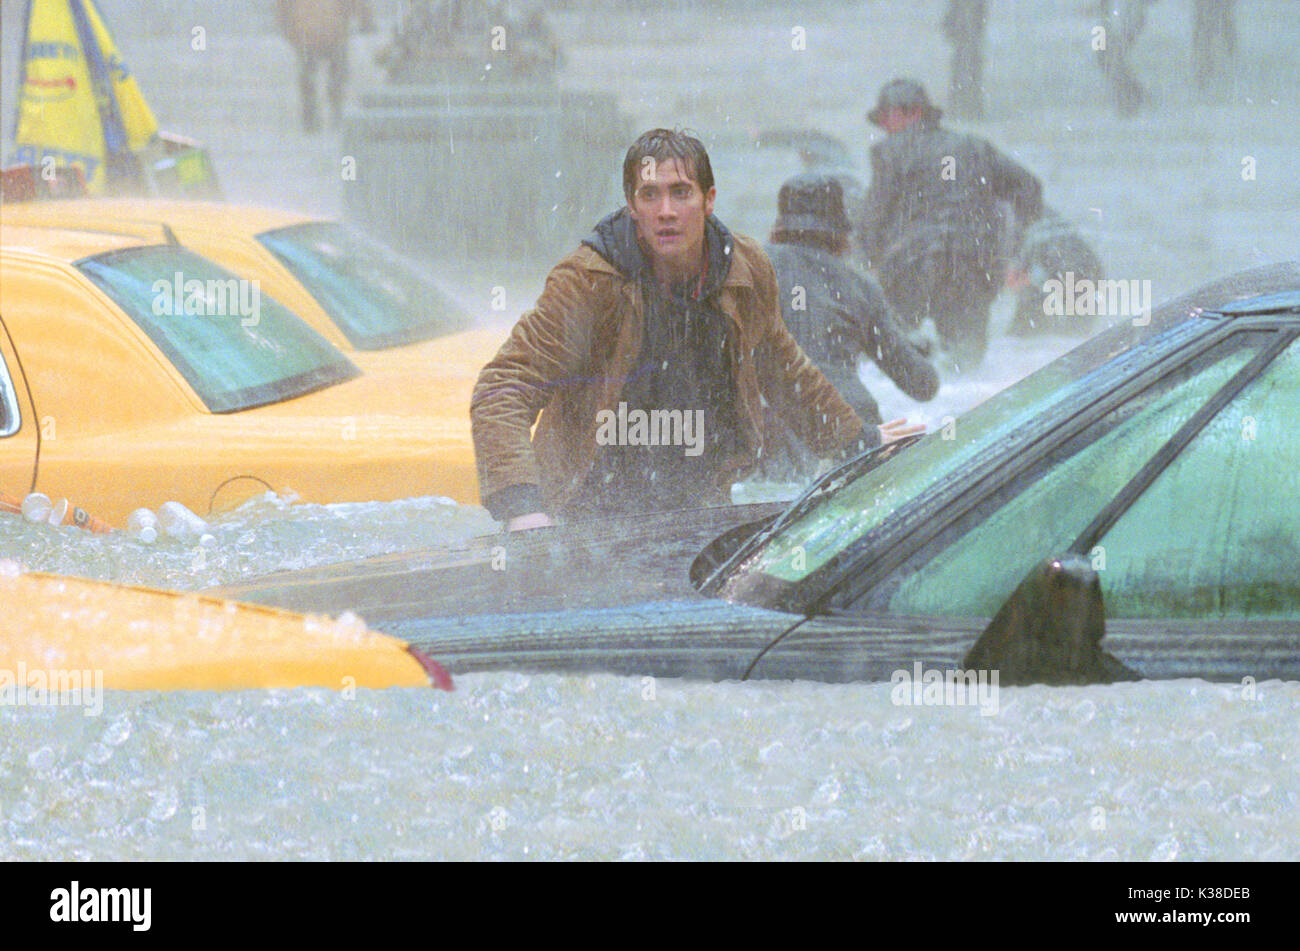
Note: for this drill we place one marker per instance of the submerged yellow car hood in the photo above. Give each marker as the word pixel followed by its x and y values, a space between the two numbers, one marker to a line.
pixel 56 630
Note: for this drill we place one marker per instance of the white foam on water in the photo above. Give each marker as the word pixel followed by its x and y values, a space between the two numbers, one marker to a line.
pixel 511 766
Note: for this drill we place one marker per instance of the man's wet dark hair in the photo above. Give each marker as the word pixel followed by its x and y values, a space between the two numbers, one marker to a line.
pixel 664 145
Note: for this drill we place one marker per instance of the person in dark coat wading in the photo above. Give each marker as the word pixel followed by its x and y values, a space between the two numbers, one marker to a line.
pixel 836 312
pixel 933 219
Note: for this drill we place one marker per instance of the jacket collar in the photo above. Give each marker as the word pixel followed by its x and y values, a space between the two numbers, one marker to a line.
pixel 617 251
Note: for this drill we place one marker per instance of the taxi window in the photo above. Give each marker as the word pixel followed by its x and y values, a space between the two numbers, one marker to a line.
pixel 375 298
pixel 234 345
pixel 11 419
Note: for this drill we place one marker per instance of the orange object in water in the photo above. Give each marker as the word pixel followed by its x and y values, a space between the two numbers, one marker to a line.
pixel 63 514
pixel 76 515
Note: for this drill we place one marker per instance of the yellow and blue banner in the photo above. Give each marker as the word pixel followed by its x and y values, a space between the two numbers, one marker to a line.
pixel 78 103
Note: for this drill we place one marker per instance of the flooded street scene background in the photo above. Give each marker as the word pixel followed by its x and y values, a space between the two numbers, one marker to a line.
pixel 516 765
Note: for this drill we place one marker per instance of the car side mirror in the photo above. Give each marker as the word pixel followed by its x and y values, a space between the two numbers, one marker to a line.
pixel 1050 630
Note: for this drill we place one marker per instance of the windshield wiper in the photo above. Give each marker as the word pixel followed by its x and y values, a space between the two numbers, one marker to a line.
pixel 823 486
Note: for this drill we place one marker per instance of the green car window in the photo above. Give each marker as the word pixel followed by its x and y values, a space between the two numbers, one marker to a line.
pixel 236 348
pixel 1214 535
pixel 372 295
pixel 972 576
pixel 869 501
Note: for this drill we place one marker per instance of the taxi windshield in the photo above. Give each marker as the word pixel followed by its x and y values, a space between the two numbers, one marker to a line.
pixel 375 298
pixel 235 346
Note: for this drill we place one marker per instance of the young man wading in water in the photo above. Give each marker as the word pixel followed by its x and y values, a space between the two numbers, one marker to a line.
pixel 646 356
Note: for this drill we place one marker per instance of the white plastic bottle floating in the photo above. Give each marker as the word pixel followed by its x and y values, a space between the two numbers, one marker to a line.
pixel 59 512
pixel 142 525
pixel 179 522
pixel 37 507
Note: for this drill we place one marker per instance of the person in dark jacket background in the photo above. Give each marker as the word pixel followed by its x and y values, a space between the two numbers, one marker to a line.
pixel 933 219
pixel 1050 249
pixel 835 312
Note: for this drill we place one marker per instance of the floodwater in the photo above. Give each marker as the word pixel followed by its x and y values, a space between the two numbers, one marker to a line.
pixel 517 766
pixel 510 766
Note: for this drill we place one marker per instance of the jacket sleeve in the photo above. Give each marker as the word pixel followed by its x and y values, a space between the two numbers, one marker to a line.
pixel 794 387
pixel 884 341
pixel 1014 183
pixel 876 211
pixel 548 347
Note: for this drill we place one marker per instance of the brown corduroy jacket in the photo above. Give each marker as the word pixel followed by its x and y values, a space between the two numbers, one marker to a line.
pixel 570 356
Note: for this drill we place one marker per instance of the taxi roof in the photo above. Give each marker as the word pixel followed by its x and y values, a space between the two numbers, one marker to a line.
pixel 63 244
pixel 108 213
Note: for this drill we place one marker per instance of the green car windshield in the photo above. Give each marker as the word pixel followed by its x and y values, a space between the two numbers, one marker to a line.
pixel 375 299
pixel 236 347
pixel 837 521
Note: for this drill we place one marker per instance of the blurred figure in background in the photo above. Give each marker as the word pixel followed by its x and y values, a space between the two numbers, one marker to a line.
pixel 932 221
pixel 963 25
pixel 1214 39
pixel 1123 22
pixel 1049 249
pixel 835 312
pixel 318 32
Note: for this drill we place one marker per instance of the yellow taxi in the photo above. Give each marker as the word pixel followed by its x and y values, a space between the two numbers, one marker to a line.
pixel 135 373
pixel 358 294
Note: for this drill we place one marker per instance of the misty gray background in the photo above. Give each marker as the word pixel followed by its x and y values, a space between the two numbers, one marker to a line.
pixel 1162 195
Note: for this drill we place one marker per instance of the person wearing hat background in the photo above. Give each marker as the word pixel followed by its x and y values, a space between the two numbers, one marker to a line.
pixel 934 216
pixel 835 312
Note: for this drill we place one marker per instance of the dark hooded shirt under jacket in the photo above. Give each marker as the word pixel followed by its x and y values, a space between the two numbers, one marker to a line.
pixel 684 367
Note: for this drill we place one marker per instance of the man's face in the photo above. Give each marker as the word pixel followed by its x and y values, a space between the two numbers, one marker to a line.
pixel 896 120
pixel 669 210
